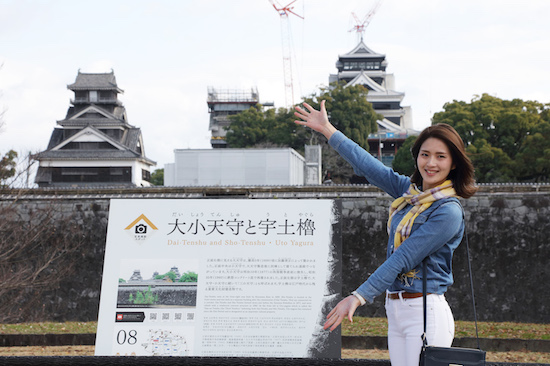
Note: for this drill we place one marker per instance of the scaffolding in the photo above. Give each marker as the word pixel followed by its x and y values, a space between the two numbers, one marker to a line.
pixel 233 95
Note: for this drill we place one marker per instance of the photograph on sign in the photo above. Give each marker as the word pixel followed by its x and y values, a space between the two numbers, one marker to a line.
pixel 145 283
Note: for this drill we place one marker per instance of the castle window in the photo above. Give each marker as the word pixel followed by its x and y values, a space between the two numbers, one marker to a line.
pixel 373 65
pixel 92 174
pixel 80 96
pixel 92 115
pixel 113 133
pixel 145 175
pixel 106 95
pixel 362 65
pixel 91 145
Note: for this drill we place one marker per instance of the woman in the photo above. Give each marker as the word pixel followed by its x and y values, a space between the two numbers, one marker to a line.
pixel 426 220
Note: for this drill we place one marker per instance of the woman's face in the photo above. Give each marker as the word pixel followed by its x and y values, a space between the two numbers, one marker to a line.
pixel 434 162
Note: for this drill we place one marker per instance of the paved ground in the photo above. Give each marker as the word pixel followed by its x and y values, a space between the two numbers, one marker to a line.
pixel 512 357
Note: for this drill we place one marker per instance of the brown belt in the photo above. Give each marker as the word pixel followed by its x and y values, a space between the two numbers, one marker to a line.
pixel 405 295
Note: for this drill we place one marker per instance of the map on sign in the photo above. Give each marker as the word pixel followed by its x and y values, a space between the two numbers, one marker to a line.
pixel 163 342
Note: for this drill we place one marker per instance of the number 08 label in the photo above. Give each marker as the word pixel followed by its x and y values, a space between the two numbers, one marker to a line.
pixel 143 341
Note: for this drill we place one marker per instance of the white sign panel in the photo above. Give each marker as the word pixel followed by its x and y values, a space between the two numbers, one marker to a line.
pixel 222 278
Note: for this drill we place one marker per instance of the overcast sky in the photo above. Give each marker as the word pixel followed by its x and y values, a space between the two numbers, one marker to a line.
pixel 166 53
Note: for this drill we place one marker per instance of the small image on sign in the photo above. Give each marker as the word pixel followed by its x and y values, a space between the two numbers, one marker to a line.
pixel 158 283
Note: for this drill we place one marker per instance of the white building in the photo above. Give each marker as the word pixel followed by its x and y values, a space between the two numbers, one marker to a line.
pixel 241 167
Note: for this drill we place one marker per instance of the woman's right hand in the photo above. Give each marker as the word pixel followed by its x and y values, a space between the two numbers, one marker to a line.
pixel 314 119
pixel 345 309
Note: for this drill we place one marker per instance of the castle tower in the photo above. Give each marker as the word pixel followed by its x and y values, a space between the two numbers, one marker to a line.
pixel 176 271
pixel 95 145
pixel 136 276
pixel 363 66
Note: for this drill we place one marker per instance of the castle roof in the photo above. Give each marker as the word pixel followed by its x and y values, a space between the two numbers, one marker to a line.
pixel 362 51
pixel 92 81
pixel 129 147
pixel 376 91
pixel 94 115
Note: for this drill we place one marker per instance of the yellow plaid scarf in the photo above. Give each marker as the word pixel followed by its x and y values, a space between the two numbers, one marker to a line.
pixel 420 201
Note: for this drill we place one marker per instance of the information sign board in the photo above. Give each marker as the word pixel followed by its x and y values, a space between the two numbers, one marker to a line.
pixel 221 278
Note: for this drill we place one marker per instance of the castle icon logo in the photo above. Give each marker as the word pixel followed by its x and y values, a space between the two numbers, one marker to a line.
pixel 141 228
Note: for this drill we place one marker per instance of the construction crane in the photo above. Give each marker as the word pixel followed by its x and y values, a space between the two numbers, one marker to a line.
pixel 360 25
pixel 284 12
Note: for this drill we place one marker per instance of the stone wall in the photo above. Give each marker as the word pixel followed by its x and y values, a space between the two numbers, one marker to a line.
pixel 507 228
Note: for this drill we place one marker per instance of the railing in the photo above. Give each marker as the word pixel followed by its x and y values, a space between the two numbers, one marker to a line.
pixel 98 101
pixel 388 135
pixel 232 95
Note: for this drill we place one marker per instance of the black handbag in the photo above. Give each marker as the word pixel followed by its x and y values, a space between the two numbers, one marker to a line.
pixel 450 356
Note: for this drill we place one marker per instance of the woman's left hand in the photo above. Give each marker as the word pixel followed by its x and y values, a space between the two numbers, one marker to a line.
pixel 346 307
pixel 317 120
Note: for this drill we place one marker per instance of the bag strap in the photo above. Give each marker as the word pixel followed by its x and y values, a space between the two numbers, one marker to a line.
pixel 424 294
pixel 424 285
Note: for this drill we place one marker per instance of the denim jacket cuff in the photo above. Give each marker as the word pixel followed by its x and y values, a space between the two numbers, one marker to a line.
pixel 336 140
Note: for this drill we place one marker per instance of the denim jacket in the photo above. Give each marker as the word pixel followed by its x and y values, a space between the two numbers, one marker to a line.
pixel 435 234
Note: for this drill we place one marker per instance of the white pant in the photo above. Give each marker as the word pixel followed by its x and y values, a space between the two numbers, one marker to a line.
pixel 406 325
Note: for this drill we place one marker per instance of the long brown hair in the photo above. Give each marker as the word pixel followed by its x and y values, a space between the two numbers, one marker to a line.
pixel 463 174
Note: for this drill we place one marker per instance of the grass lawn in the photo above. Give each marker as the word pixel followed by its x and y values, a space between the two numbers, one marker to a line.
pixel 49 328
pixel 505 330
pixel 360 327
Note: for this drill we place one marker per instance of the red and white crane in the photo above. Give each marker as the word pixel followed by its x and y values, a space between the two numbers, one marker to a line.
pixel 360 25
pixel 284 12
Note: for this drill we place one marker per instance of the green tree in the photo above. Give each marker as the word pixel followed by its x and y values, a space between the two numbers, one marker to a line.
pixel 144 298
pixel 189 276
pixel 256 127
pixel 533 161
pixel 500 135
pixel 403 161
pixel 171 275
pixel 491 163
pixel 8 166
pixel 250 127
pixel 157 177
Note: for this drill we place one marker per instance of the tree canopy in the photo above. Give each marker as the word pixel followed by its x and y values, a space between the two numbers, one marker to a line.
pixel 168 275
pixel 256 127
pixel 8 165
pixel 189 276
pixel 157 177
pixel 403 162
pixel 507 140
